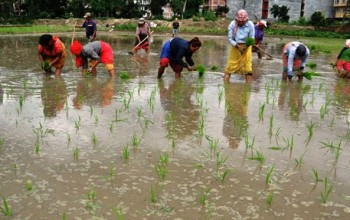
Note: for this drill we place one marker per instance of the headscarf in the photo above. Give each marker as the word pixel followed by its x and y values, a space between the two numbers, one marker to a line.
pixel 347 43
pixel 76 49
pixel 262 23
pixel 241 15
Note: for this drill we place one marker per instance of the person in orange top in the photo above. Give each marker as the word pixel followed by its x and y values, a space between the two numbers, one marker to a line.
pixel 52 53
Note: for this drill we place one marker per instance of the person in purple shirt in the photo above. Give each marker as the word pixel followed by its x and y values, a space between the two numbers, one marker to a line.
pixel 90 27
pixel 179 49
pixel 259 37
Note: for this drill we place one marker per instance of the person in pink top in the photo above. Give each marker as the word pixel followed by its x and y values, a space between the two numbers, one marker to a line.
pixel 142 34
pixel 52 53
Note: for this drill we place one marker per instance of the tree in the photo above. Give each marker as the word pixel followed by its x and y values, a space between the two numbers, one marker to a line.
pixel 281 12
pixel 156 6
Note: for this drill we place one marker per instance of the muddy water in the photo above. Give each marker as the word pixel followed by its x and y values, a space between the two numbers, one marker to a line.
pixel 90 148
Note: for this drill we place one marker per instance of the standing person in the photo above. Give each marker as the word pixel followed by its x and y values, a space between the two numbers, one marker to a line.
pixel 142 34
pixel 176 26
pixel 294 56
pixel 343 60
pixel 52 53
pixel 91 54
pixel 240 56
pixel 90 27
pixel 174 51
pixel 259 37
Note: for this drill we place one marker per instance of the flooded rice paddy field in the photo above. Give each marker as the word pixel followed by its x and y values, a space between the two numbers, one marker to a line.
pixel 142 148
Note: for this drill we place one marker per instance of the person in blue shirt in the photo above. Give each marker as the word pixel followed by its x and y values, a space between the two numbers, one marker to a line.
pixel 90 27
pixel 294 57
pixel 239 59
pixel 173 51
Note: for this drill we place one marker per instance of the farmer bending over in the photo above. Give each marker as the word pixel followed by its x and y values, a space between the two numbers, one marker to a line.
pixel 294 56
pixel 173 51
pixel 240 56
pixel 91 54
pixel 343 60
pixel 52 53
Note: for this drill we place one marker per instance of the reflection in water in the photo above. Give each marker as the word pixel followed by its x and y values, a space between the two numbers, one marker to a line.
pixel 1 95
pixel 291 96
pixel 53 94
pixel 342 95
pixel 142 62
pixel 92 92
pixel 236 102
pixel 182 115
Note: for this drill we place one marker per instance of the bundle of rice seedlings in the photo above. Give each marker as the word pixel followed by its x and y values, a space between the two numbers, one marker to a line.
pixel 311 65
pixel 124 75
pixel 214 68
pixel 201 70
pixel 46 66
pixel 309 75
pixel 249 41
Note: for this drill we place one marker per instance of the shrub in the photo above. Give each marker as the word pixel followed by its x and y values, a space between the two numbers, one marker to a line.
pixel 317 19
pixel 280 12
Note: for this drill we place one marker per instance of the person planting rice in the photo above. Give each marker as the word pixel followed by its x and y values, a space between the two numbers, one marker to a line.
pixel 91 54
pixel 173 51
pixel 259 37
pixel 239 60
pixel 52 53
pixel 294 57
pixel 343 61
pixel 143 34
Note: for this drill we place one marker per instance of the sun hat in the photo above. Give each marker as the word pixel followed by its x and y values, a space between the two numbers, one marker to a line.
pixel 141 21
pixel 347 43
pixel 242 15
pixel 262 23
pixel 87 15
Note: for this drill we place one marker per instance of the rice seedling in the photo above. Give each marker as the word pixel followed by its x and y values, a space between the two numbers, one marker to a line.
pixel 28 185
pixel 21 101
pixel 68 139
pixel 153 195
pixel 221 176
pixel 310 75
pixel 139 112
pixel 15 167
pixel 112 170
pixel 269 174
pixel 249 145
pixel 220 94
pixel 161 170
pixel 201 124
pixel 5 208
pixel 111 126
pixel 94 139
pixel 77 125
pixel 326 191
pixel 96 119
pixel 259 156
pixel 135 141
pixel 213 143
pixel 92 194
pixel 220 159
pixel 164 158
pixel 126 102
pixel 126 153
pixel 46 66
pixel 203 197
pixel 140 86
pixel 311 65
pixel 323 111
pixel 173 144
pixel 25 84
pixel 37 147
pixel 331 124
pixel 310 130
pixel 334 148
pixel 118 213
pixel 124 75
pixel 316 176
pixel 201 70
pixel 269 198
pixel 261 112
pixel 76 152
pixel 64 216
pixel 299 161
pixel 91 110
pixel 271 125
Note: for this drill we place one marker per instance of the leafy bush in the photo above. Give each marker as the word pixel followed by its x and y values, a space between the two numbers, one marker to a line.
pixel 210 16
pixel 280 12
pixel 221 9
pixel 317 19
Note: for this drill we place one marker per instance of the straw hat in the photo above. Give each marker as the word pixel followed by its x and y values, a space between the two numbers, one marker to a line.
pixel 262 23
pixel 87 15
pixel 141 21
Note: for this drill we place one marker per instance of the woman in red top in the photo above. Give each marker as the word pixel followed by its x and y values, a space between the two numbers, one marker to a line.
pixel 52 53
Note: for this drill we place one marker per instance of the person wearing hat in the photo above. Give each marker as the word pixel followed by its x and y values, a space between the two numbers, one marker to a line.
pixel 91 54
pixel 90 27
pixel 294 57
pixel 240 56
pixel 343 61
pixel 142 31
pixel 259 37
pixel 53 52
